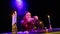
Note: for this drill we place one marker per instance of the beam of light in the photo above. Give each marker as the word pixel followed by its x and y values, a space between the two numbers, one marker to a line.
pixel 19 4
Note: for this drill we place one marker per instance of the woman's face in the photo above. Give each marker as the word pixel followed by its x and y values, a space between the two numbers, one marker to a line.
pixel 28 15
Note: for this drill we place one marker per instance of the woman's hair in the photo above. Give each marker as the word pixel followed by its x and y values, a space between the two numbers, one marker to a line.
pixel 25 15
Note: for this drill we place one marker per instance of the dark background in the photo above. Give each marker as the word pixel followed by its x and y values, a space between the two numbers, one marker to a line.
pixel 36 7
pixel 5 16
pixel 43 8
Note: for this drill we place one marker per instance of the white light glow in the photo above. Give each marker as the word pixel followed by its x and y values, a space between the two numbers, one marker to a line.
pixel 48 16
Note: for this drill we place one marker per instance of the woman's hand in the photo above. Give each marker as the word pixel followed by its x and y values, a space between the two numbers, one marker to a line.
pixel 30 19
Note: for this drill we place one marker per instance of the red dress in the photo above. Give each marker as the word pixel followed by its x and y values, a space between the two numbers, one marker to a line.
pixel 28 25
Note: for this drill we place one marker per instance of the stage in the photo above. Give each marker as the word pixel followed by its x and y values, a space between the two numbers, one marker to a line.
pixel 54 31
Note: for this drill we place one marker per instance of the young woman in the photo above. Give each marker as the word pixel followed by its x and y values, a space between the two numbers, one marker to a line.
pixel 27 22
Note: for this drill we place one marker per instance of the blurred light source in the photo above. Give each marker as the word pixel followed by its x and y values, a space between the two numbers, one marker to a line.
pixel 19 3
pixel 26 32
pixel 18 0
pixel 48 16
pixel 20 6
pixel 40 22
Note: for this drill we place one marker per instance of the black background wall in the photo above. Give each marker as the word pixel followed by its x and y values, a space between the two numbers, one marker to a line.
pixel 5 16
pixel 42 8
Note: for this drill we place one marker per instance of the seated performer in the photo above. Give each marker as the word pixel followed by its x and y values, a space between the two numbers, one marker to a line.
pixel 38 24
pixel 27 22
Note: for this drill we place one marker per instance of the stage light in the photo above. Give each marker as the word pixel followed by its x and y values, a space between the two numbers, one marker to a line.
pixel 48 16
pixel 19 4
pixel 40 22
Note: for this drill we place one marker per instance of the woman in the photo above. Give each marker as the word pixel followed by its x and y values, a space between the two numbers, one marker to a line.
pixel 27 22
pixel 38 23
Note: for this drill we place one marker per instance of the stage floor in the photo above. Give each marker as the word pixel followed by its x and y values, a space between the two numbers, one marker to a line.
pixel 55 31
pixel 35 33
